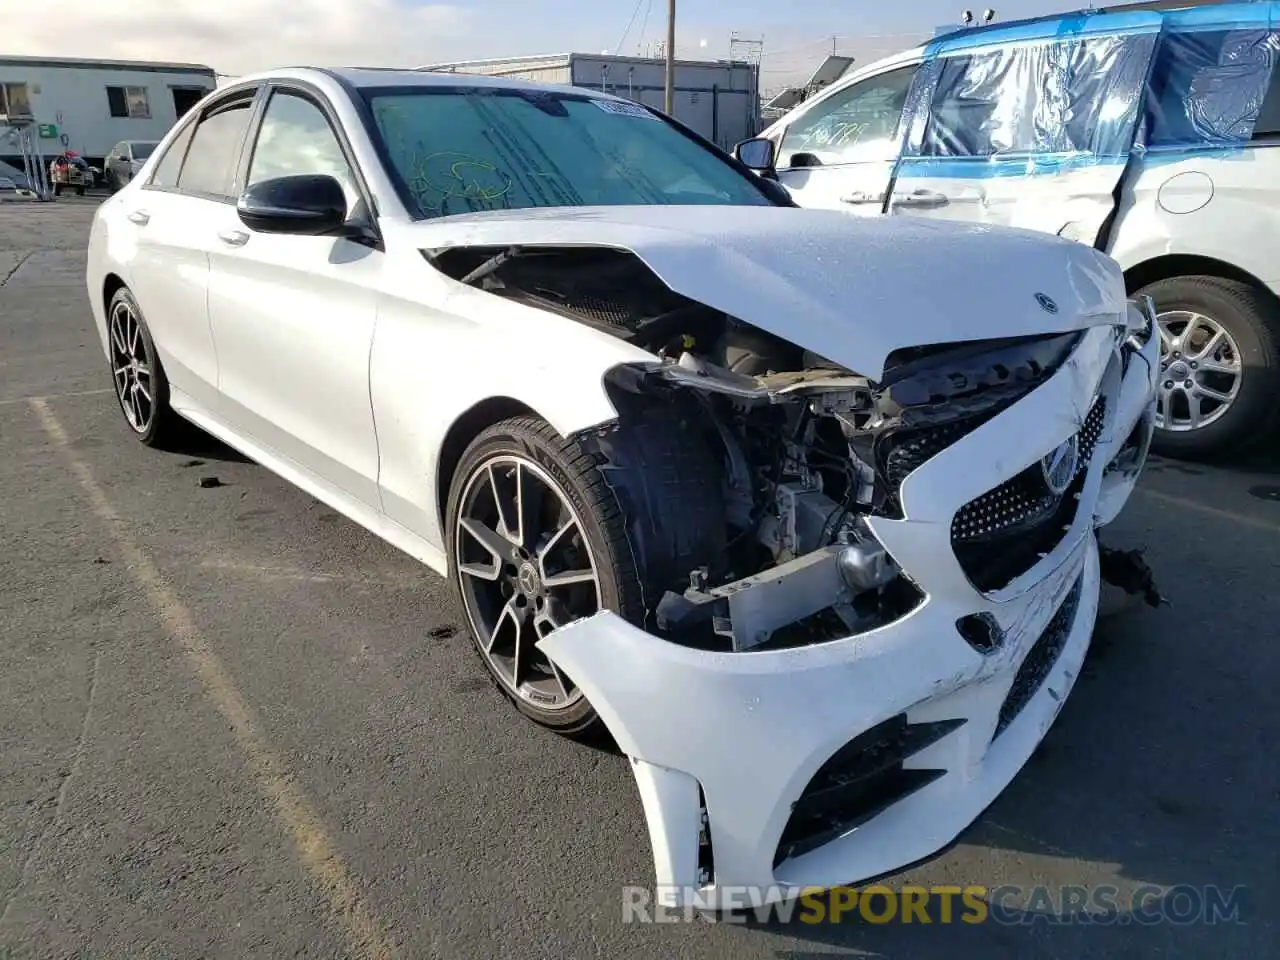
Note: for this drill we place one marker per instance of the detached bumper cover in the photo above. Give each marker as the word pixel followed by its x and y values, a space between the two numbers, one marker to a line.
pixel 829 764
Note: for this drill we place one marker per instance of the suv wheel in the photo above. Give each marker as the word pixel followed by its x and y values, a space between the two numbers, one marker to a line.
pixel 1219 388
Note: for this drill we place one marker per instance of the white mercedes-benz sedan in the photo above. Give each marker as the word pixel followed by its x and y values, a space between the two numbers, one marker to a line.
pixel 802 509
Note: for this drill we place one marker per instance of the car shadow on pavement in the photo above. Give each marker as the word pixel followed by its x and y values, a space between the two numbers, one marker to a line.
pixel 198 445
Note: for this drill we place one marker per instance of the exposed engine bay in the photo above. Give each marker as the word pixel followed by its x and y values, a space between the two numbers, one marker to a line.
pixel 804 451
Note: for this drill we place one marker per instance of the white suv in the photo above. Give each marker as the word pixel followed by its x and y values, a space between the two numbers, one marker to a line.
pixel 1148 135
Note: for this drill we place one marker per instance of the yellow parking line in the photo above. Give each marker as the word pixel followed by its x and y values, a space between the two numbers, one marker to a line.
pixel 315 848
pixel 1257 523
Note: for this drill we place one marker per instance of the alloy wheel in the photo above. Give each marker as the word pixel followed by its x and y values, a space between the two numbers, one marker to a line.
pixel 1200 371
pixel 130 367
pixel 525 569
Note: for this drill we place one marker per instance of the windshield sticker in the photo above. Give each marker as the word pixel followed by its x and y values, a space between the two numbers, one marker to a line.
pixel 621 109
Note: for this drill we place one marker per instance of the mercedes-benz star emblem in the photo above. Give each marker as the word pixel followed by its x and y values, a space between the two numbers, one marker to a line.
pixel 1046 303
pixel 1059 466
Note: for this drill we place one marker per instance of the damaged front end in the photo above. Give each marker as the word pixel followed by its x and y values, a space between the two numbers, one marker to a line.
pixel 902 590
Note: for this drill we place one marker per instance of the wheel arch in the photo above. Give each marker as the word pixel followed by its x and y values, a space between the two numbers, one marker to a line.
pixel 111 285
pixel 468 425
pixel 1170 265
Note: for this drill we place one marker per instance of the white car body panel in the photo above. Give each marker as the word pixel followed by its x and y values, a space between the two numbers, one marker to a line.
pixel 342 369
pixel 785 270
pixel 797 707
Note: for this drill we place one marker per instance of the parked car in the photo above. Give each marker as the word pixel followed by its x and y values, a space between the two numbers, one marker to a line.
pixel 70 170
pixel 125 160
pixel 1149 135
pixel 709 470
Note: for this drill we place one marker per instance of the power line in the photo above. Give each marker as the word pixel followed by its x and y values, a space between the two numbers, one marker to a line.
pixel 634 13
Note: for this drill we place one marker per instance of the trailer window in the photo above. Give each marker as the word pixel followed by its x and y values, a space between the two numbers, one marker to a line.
pixel 129 102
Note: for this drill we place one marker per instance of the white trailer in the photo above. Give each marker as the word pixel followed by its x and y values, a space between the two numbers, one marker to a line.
pixel 719 99
pixel 91 105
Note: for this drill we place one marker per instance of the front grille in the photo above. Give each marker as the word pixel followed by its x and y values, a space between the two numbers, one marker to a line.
pixel 1040 659
pixel 863 778
pixel 1006 531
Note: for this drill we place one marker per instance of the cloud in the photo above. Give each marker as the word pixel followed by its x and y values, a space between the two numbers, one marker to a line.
pixel 239 36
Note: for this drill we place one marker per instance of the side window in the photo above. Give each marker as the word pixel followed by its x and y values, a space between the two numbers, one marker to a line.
pixel 857 124
pixel 1213 87
pixel 166 171
pixel 210 166
pixel 295 137
pixel 1073 96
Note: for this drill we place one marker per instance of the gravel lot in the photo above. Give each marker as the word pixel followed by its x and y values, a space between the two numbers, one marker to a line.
pixel 236 725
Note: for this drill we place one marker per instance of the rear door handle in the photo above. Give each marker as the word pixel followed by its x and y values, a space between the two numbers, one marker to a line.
pixel 860 198
pixel 233 238
pixel 140 217
pixel 920 198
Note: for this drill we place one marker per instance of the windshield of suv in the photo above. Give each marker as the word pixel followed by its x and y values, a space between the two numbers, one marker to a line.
pixel 142 150
pixel 463 149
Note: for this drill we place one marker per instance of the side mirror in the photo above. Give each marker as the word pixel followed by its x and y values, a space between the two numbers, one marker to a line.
pixel 309 205
pixel 758 153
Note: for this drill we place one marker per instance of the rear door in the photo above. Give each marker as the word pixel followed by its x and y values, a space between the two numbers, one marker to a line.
pixel 839 152
pixel 171 220
pixel 1029 127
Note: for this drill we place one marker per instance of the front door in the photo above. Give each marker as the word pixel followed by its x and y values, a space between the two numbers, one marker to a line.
pixel 1029 128
pixel 293 316
pixel 839 152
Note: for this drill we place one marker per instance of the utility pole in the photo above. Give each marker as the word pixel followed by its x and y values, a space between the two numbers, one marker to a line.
pixel 671 57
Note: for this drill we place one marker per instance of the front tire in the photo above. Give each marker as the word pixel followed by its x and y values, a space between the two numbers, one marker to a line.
pixel 1219 389
pixel 537 538
pixel 142 389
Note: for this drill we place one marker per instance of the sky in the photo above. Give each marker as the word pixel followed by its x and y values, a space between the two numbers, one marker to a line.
pixel 238 36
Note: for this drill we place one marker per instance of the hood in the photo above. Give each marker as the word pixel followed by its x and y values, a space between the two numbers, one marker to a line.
pixel 851 289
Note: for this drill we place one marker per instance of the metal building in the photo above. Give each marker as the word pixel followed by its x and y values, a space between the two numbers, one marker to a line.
pixel 720 99
pixel 90 105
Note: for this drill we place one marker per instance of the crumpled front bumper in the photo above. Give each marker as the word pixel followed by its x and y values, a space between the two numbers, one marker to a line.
pixel 743 734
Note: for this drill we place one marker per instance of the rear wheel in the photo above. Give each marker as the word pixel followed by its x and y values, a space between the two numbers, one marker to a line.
pixel 537 539
pixel 142 389
pixel 1219 388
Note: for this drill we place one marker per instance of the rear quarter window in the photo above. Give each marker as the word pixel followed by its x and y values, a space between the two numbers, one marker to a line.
pixel 1213 87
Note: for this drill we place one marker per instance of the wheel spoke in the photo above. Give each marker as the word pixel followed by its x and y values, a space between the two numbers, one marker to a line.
pixel 117 337
pixel 498 546
pixel 137 385
pixel 1212 394
pixel 1231 367
pixel 144 370
pixel 1210 346
pixel 562 681
pixel 134 328
pixel 1193 406
pixel 508 615
pixel 504 506
pixel 480 571
pixel 1166 338
pixel 552 543
pixel 568 578
pixel 529 499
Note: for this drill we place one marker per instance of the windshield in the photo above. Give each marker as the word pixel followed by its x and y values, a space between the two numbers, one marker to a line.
pixel 143 150
pixel 459 150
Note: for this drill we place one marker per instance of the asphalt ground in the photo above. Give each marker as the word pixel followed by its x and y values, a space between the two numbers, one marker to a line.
pixel 233 724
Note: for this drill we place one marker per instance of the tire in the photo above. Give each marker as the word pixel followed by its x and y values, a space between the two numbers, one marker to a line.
pixel 161 426
pixel 80 191
pixel 1250 318
pixel 632 541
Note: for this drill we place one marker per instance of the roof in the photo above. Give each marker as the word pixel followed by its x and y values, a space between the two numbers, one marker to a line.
pixel 364 77
pixel 80 63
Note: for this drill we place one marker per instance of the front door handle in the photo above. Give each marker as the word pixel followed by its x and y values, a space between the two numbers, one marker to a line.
pixel 140 217
pixel 233 238
pixel 920 198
